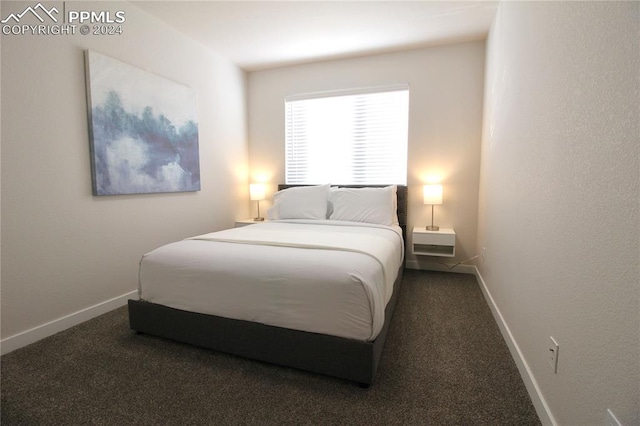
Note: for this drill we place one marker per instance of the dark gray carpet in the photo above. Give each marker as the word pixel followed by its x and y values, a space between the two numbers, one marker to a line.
pixel 444 363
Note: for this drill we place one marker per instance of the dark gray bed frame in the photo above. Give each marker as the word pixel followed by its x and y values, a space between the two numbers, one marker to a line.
pixel 334 356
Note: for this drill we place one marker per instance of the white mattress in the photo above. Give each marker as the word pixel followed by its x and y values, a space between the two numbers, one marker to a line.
pixel 326 277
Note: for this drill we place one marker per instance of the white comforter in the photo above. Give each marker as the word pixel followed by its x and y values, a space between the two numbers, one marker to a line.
pixel 325 277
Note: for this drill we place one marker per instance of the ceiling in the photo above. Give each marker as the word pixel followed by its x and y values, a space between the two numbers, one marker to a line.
pixel 258 35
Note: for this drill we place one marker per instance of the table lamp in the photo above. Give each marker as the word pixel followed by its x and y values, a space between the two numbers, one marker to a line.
pixel 257 193
pixel 432 195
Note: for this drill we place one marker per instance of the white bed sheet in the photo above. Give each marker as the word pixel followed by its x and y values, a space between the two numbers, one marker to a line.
pixel 327 277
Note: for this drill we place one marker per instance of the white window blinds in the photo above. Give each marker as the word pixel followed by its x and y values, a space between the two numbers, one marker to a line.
pixel 356 137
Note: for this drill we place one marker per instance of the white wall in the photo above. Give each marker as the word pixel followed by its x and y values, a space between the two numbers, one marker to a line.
pixel 559 199
pixel 64 250
pixel 445 120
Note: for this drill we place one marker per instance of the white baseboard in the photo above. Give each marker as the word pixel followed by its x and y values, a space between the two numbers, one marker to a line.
pixel 25 338
pixel 435 266
pixel 540 404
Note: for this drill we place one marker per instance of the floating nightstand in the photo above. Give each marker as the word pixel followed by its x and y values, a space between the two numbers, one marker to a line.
pixel 434 243
pixel 245 222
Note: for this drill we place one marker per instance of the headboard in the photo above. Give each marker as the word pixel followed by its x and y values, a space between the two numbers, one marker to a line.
pixel 402 201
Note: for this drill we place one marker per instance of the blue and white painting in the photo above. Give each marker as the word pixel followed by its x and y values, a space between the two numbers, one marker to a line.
pixel 143 130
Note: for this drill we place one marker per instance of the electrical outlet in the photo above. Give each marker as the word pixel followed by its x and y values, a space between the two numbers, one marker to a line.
pixel 554 348
pixel 484 252
pixel 612 420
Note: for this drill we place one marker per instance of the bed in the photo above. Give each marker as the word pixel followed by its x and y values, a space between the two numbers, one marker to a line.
pixel 196 291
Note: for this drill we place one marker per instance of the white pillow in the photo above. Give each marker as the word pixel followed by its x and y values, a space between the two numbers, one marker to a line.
pixel 371 205
pixel 301 202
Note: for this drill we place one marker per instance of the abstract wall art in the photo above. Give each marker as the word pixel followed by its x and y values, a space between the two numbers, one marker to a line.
pixel 143 130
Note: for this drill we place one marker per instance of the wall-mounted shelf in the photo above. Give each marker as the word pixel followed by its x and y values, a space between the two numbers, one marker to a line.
pixel 245 222
pixel 434 243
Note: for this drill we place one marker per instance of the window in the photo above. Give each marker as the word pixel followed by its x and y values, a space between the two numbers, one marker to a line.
pixel 355 137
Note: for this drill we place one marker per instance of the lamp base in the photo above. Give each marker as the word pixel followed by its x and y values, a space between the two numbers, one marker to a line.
pixel 433 228
pixel 258 219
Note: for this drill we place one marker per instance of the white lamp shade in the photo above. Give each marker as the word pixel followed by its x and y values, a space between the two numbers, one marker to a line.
pixel 432 194
pixel 256 191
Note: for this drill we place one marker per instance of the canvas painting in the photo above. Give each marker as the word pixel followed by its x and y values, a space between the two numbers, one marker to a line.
pixel 143 130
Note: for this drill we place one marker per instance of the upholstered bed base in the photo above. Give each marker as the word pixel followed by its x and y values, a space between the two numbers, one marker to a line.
pixel 334 356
